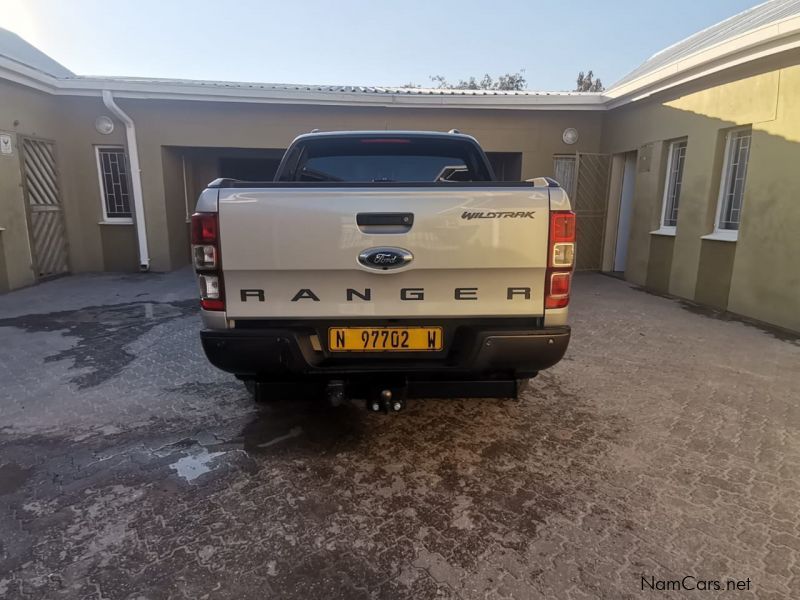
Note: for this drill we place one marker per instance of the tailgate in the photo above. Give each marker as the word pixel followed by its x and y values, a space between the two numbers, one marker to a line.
pixel 294 252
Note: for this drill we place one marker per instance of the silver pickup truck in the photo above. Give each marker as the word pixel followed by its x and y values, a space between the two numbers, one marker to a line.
pixel 384 265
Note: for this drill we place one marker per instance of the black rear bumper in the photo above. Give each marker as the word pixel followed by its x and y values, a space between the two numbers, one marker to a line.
pixel 473 349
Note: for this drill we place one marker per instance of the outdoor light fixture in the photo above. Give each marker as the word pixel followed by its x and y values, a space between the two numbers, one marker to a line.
pixel 570 135
pixel 104 124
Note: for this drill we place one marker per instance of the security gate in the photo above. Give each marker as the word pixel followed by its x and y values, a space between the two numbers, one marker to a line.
pixel 45 217
pixel 589 201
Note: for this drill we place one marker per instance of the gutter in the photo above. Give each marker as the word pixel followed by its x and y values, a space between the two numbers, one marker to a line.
pixel 136 178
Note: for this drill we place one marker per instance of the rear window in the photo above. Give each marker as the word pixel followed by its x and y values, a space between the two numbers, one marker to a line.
pixel 385 159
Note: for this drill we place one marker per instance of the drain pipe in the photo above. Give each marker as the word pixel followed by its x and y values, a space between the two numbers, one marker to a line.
pixel 136 178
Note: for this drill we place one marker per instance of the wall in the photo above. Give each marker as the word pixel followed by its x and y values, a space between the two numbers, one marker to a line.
pixel 536 134
pixel 758 276
pixel 69 123
pixel 23 112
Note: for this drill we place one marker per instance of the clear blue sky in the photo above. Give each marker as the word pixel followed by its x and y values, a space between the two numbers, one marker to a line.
pixel 378 42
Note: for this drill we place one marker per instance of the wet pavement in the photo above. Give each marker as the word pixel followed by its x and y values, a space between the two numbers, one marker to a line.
pixel 662 451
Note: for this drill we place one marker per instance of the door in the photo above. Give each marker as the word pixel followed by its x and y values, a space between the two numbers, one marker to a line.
pixel 43 203
pixel 625 212
pixel 589 203
pixel 564 171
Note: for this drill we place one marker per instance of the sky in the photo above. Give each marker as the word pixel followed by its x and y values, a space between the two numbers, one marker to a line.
pixel 355 42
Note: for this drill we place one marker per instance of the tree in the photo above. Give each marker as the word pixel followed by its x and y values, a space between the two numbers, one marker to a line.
pixel 587 83
pixel 508 82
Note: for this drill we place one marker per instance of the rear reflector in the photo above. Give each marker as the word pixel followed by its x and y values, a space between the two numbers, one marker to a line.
pixel 207 304
pixel 558 290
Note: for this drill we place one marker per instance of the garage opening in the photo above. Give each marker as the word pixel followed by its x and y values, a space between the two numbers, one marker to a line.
pixel 187 172
pixel 248 168
pixel 507 166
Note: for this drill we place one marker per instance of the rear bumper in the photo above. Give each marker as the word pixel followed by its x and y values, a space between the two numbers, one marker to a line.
pixel 473 349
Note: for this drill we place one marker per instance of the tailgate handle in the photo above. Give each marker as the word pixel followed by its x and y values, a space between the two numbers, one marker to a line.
pixel 400 219
pixel 384 222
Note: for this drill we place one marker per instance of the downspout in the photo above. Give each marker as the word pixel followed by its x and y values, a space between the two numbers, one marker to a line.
pixel 136 178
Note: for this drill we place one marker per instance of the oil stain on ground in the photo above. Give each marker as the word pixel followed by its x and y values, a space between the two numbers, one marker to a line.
pixel 103 332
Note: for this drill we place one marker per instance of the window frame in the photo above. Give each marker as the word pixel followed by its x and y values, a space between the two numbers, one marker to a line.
pixel 106 219
pixel 729 235
pixel 663 228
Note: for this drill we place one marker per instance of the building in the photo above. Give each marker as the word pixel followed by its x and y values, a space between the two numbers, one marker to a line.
pixel 684 174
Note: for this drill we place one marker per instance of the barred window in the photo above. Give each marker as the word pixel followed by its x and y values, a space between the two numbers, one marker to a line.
pixel 112 165
pixel 734 171
pixel 672 187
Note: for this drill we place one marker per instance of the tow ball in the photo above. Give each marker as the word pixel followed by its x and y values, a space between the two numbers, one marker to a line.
pixel 386 402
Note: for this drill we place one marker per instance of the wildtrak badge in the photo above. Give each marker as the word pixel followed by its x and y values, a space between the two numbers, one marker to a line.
pixel 495 214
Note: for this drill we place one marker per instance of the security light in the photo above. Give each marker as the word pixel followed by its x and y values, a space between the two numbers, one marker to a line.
pixel 570 135
pixel 104 124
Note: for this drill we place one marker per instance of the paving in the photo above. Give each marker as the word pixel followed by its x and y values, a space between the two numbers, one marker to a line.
pixel 661 455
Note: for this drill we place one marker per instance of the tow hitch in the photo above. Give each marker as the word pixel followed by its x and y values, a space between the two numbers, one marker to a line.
pixel 378 398
pixel 386 402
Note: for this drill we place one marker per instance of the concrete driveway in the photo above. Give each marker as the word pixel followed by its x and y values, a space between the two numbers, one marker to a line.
pixel 662 452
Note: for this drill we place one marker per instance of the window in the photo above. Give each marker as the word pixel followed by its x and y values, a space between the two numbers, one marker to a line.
pixel 672 186
pixel 112 167
pixel 731 192
pixel 389 158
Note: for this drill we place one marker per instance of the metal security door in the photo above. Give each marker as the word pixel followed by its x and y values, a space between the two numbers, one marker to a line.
pixel 45 216
pixel 564 170
pixel 590 204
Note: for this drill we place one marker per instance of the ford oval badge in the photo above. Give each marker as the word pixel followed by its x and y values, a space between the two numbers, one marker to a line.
pixel 385 258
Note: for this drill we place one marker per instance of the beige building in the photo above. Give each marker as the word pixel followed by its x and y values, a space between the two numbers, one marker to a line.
pixel 684 174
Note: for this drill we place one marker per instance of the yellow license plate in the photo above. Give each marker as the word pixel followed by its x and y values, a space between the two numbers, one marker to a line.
pixel 384 339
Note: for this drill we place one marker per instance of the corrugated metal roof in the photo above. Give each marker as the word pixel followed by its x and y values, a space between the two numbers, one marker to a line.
pixel 745 21
pixel 339 89
pixel 14 47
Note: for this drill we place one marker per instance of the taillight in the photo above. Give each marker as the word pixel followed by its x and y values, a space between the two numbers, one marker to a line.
pixel 206 260
pixel 204 241
pixel 561 258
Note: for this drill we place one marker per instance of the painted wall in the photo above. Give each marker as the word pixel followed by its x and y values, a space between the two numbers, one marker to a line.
pixel 735 277
pixel 759 275
pixel 22 113
pixel 164 125
pixel 536 134
pixel 69 123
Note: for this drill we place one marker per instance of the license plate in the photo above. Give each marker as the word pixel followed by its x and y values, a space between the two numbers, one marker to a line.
pixel 384 339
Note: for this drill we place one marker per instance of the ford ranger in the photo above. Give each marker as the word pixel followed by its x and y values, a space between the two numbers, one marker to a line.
pixel 384 265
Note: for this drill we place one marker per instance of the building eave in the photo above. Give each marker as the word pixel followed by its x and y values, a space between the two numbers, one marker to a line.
pixel 255 93
pixel 769 40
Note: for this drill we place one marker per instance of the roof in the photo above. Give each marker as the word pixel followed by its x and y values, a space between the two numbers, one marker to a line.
pixel 18 50
pixel 352 89
pixel 766 29
pixel 730 28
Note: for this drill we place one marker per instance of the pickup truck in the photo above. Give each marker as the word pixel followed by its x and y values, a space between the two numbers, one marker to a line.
pixel 384 265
